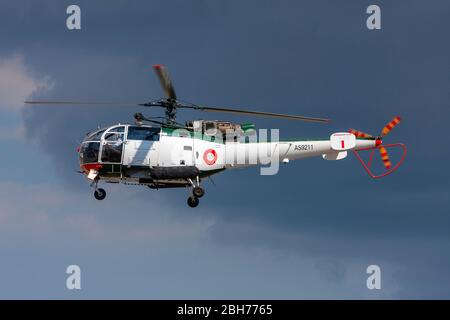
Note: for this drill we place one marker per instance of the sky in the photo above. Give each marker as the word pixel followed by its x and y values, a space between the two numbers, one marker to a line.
pixel 308 232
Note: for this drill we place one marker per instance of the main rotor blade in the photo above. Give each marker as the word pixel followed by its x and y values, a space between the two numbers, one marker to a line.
pixel 71 102
pixel 166 83
pixel 258 113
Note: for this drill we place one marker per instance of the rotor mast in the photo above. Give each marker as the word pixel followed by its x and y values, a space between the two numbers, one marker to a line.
pixel 170 104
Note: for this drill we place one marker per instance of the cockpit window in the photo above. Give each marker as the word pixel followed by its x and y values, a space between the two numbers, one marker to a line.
pixel 118 129
pixel 143 133
pixel 89 152
pixel 115 134
pixel 113 145
pixel 95 136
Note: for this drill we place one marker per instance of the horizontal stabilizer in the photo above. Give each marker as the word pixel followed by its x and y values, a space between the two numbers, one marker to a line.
pixel 335 155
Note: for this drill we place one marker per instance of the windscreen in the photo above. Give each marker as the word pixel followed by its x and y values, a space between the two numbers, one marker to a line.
pixel 89 152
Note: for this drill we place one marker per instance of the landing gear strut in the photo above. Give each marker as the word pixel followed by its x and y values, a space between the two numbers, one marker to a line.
pixel 197 192
pixel 99 193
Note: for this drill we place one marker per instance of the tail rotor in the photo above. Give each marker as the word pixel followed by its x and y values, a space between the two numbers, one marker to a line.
pixel 382 148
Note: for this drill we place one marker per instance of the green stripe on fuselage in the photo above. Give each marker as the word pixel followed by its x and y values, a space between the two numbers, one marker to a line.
pixel 197 135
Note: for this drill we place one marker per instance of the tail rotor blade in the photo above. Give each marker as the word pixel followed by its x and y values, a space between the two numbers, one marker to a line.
pixel 385 157
pixel 391 125
pixel 360 134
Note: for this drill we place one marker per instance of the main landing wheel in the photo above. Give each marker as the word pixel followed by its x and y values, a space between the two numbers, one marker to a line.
pixel 192 201
pixel 198 192
pixel 99 194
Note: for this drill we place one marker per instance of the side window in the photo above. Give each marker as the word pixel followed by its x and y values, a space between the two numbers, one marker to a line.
pixel 143 133
pixel 113 146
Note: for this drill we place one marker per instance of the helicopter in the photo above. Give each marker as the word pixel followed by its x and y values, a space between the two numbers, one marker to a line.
pixel 159 152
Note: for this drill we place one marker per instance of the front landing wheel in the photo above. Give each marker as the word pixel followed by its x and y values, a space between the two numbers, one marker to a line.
pixel 193 202
pixel 99 194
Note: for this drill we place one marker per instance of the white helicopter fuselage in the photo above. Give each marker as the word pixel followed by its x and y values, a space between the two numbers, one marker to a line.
pixel 161 157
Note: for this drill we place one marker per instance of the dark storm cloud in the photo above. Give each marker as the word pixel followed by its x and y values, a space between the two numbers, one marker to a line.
pixel 315 58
